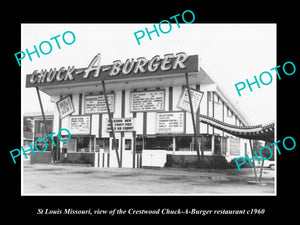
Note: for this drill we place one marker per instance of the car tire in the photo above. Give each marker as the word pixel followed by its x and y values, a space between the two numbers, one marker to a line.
pixel 272 167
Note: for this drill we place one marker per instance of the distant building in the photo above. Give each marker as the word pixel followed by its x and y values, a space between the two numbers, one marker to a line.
pixel 38 128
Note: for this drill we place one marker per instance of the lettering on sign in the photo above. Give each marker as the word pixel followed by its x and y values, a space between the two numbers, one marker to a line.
pixel 121 124
pixel 147 101
pixel 97 104
pixel 80 124
pixel 141 67
pixel 184 102
pixel 65 107
pixel 171 122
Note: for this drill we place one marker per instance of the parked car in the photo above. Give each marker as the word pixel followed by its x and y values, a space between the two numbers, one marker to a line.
pixel 267 163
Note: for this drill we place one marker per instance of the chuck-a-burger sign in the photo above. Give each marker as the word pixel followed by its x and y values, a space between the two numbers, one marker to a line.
pixel 169 64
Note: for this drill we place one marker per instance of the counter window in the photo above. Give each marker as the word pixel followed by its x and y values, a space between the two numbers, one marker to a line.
pixel 183 143
pixel 139 145
pixel 127 144
pixel 163 143
pixel 102 144
pixel 206 142
pixel 83 144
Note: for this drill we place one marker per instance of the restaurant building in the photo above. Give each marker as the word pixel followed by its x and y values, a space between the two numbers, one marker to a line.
pixel 149 107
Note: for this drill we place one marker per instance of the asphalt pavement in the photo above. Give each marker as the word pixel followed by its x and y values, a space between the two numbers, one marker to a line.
pixel 60 179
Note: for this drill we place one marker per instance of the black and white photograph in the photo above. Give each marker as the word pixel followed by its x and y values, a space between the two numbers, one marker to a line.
pixel 179 112
pixel 149 88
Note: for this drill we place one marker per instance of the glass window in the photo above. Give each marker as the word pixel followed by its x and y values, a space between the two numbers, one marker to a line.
pixel 164 143
pixel 217 99
pixel 217 145
pixel 206 142
pixel 183 143
pixel 117 144
pixel 229 112
pixel 40 129
pixel 102 143
pixel 209 96
pixel 138 145
pixel 72 145
pixel 224 146
pixel 83 144
pixel 127 144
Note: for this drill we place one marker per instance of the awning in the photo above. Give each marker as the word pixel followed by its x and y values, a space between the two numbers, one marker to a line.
pixel 257 132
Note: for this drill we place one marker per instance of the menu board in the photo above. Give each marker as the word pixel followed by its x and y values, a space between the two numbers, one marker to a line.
pixel 121 124
pixel 147 101
pixel 65 107
pixel 97 104
pixel 79 124
pixel 184 102
pixel 171 122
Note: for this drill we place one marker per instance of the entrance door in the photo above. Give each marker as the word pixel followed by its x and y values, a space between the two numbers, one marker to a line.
pixel 127 152
pixel 113 162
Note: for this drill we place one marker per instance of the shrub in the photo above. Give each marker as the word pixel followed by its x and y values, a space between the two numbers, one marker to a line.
pixel 233 165
pixel 218 162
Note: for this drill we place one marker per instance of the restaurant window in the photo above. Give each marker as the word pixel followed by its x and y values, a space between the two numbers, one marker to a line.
pixel 217 99
pixel 229 112
pixel 206 142
pixel 102 144
pixel 217 145
pixel 138 144
pixel 72 145
pixel 224 145
pixel 40 129
pixel 83 144
pixel 183 143
pixel 128 143
pixel 117 144
pixel 163 143
pixel 209 96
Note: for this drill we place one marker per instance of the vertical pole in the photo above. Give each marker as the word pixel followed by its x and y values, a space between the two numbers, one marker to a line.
pixel 41 105
pixel 133 148
pixel 250 141
pixel 111 124
pixel 262 166
pixel 193 117
pixel 44 119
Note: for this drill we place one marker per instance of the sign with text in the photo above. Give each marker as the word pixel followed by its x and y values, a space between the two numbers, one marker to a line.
pixel 95 72
pixel 170 122
pixel 184 102
pixel 97 104
pixel 121 124
pixel 80 124
pixel 65 107
pixel 147 101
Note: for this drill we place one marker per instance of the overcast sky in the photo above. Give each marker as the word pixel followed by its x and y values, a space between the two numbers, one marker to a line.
pixel 229 53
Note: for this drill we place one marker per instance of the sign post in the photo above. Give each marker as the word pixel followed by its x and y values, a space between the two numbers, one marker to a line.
pixel 111 124
pixel 44 118
pixel 254 167
pixel 193 117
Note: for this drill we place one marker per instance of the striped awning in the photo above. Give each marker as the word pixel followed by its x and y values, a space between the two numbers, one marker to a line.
pixel 263 132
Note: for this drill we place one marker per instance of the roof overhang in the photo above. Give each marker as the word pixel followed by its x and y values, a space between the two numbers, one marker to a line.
pixel 169 71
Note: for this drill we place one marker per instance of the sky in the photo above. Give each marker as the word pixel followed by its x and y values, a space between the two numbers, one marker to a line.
pixel 229 53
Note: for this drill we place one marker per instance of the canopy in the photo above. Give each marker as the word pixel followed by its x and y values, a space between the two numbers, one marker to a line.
pixel 263 132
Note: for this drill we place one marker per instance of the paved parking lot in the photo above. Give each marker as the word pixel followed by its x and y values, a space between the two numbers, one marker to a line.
pixel 72 180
